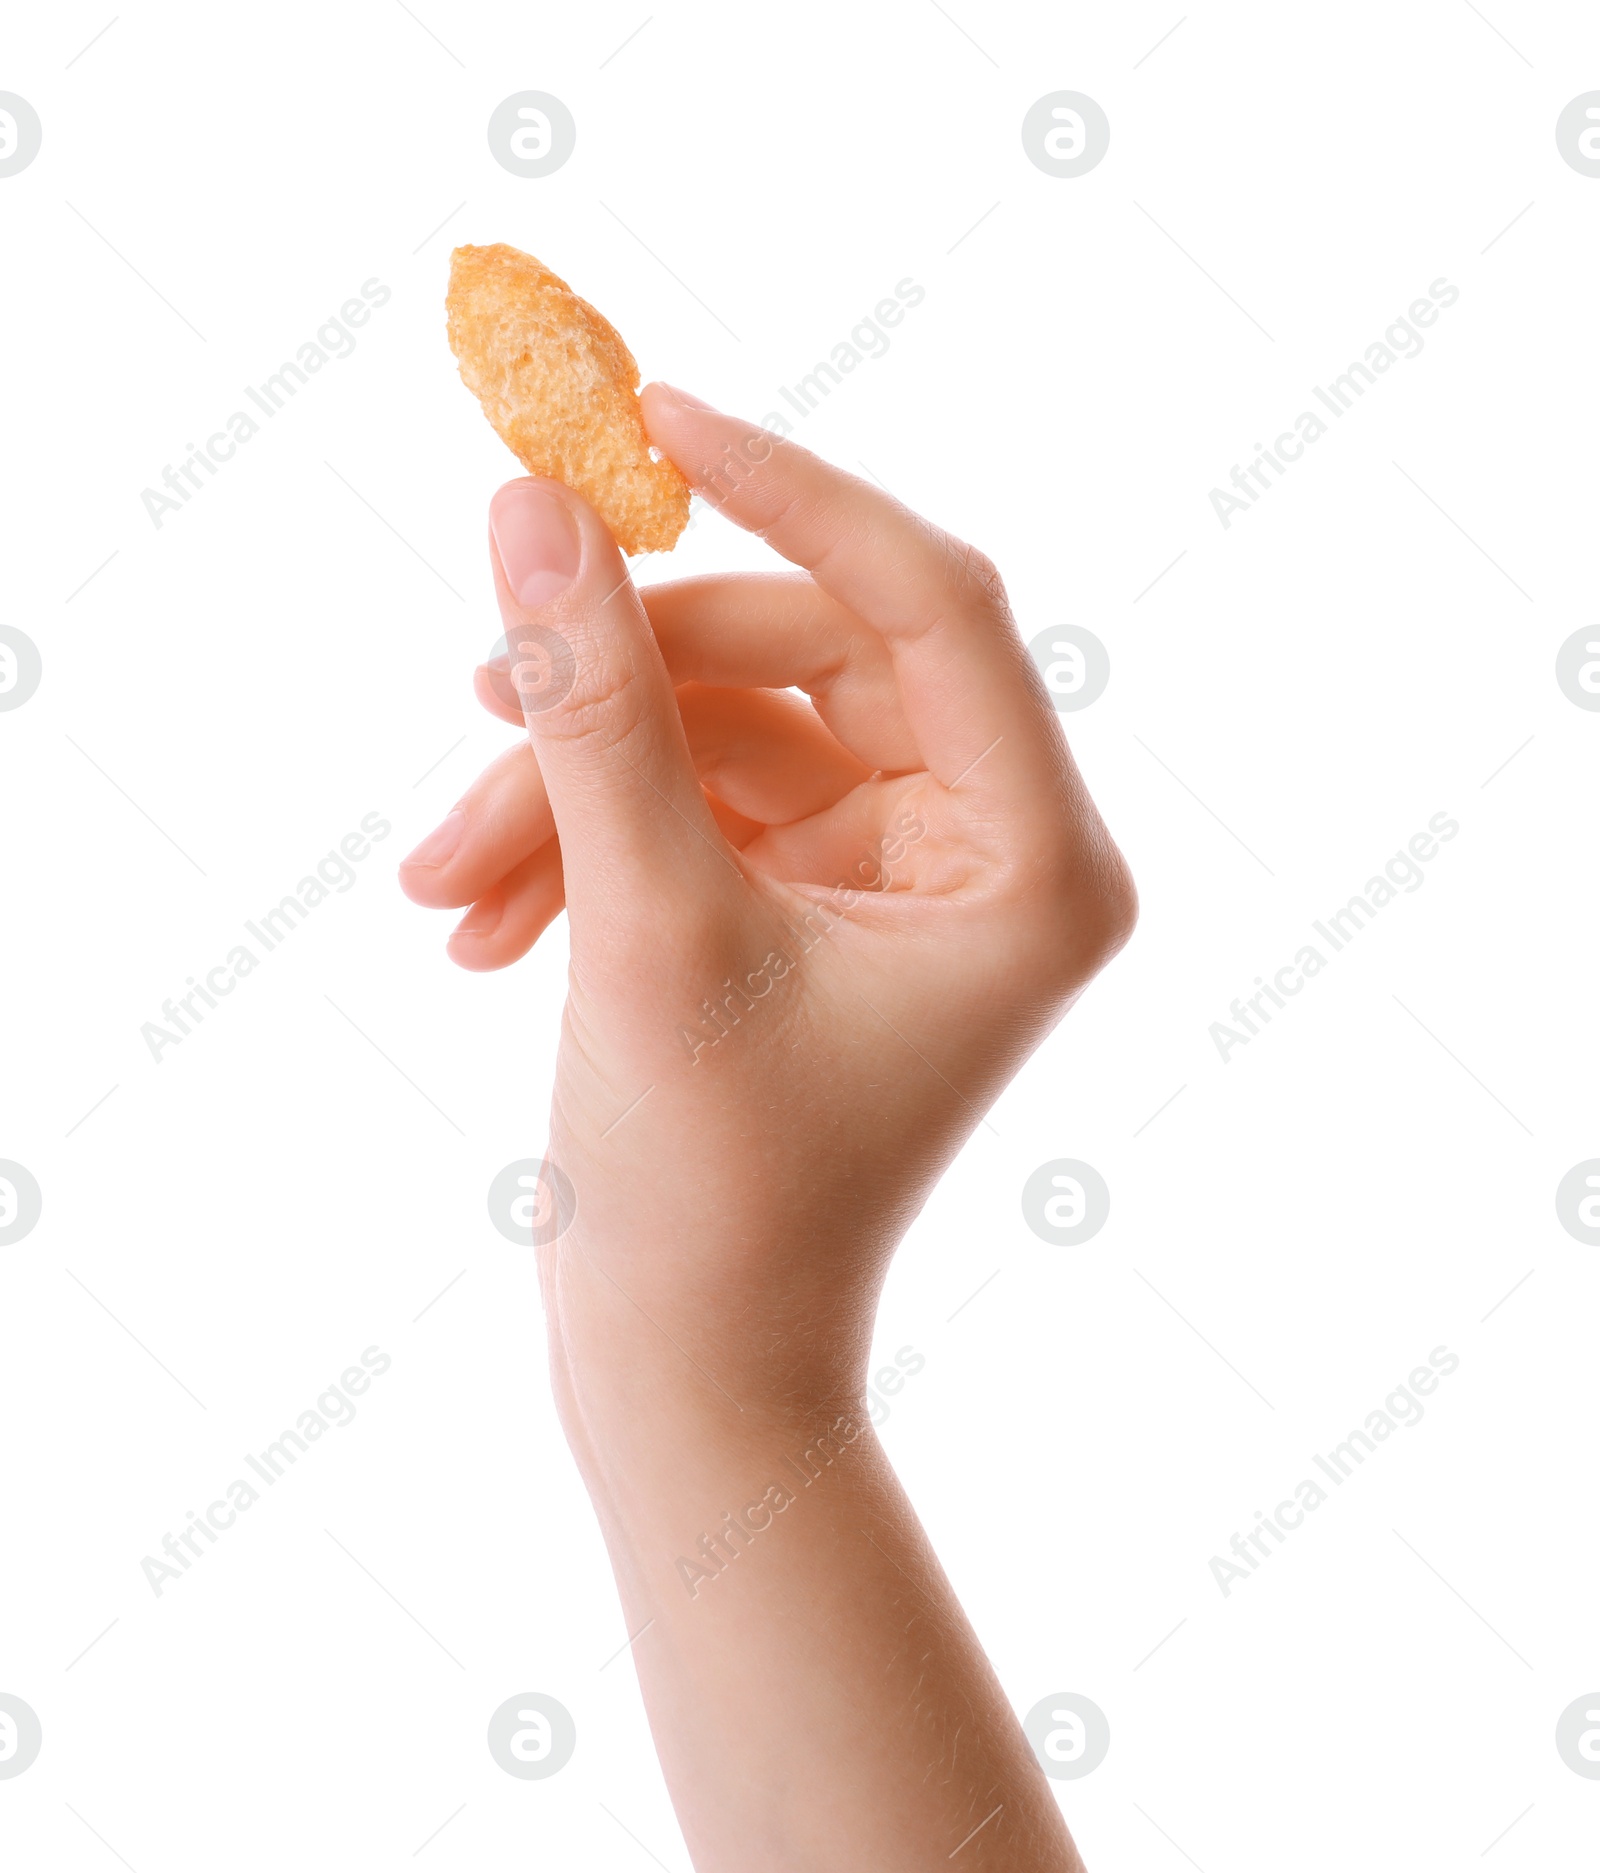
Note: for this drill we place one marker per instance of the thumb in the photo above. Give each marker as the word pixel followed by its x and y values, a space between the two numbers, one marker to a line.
pixel 600 709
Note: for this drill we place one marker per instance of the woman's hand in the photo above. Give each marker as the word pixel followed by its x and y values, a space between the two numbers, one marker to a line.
pixel 810 941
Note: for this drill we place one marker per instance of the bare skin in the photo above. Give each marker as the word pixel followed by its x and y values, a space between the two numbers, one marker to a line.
pixel 797 1063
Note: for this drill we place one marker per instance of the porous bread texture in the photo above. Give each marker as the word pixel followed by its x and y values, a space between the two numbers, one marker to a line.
pixel 561 389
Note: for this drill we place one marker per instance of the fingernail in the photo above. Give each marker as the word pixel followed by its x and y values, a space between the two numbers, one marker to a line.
pixel 482 920
pixel 694 403
pixel 537 540
pixel 440 845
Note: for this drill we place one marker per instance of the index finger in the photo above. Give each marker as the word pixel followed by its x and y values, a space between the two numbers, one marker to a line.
pixel 976 705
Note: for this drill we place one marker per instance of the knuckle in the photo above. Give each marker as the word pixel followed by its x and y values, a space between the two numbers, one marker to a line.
pixel 1085 906
pixel 1118 903
pixel 1107 907
pixel 975 574
pixel 603 705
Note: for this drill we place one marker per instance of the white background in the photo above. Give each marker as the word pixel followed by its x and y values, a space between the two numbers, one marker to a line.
pixel 1294 1232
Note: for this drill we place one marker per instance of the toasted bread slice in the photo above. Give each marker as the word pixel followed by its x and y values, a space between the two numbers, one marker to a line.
pixel 561 389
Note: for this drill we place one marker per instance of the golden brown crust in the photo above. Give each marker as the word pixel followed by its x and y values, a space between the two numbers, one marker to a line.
pixel 561 389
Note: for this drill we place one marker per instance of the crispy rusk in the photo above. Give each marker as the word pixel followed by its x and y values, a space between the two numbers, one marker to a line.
pixel 561 389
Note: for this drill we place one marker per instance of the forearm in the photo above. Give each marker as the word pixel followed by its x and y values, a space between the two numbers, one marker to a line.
pixel 792 926
pixel 817 1696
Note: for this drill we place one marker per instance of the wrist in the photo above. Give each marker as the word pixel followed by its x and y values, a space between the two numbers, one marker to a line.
pixel 690 1458
pixel 650 1339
